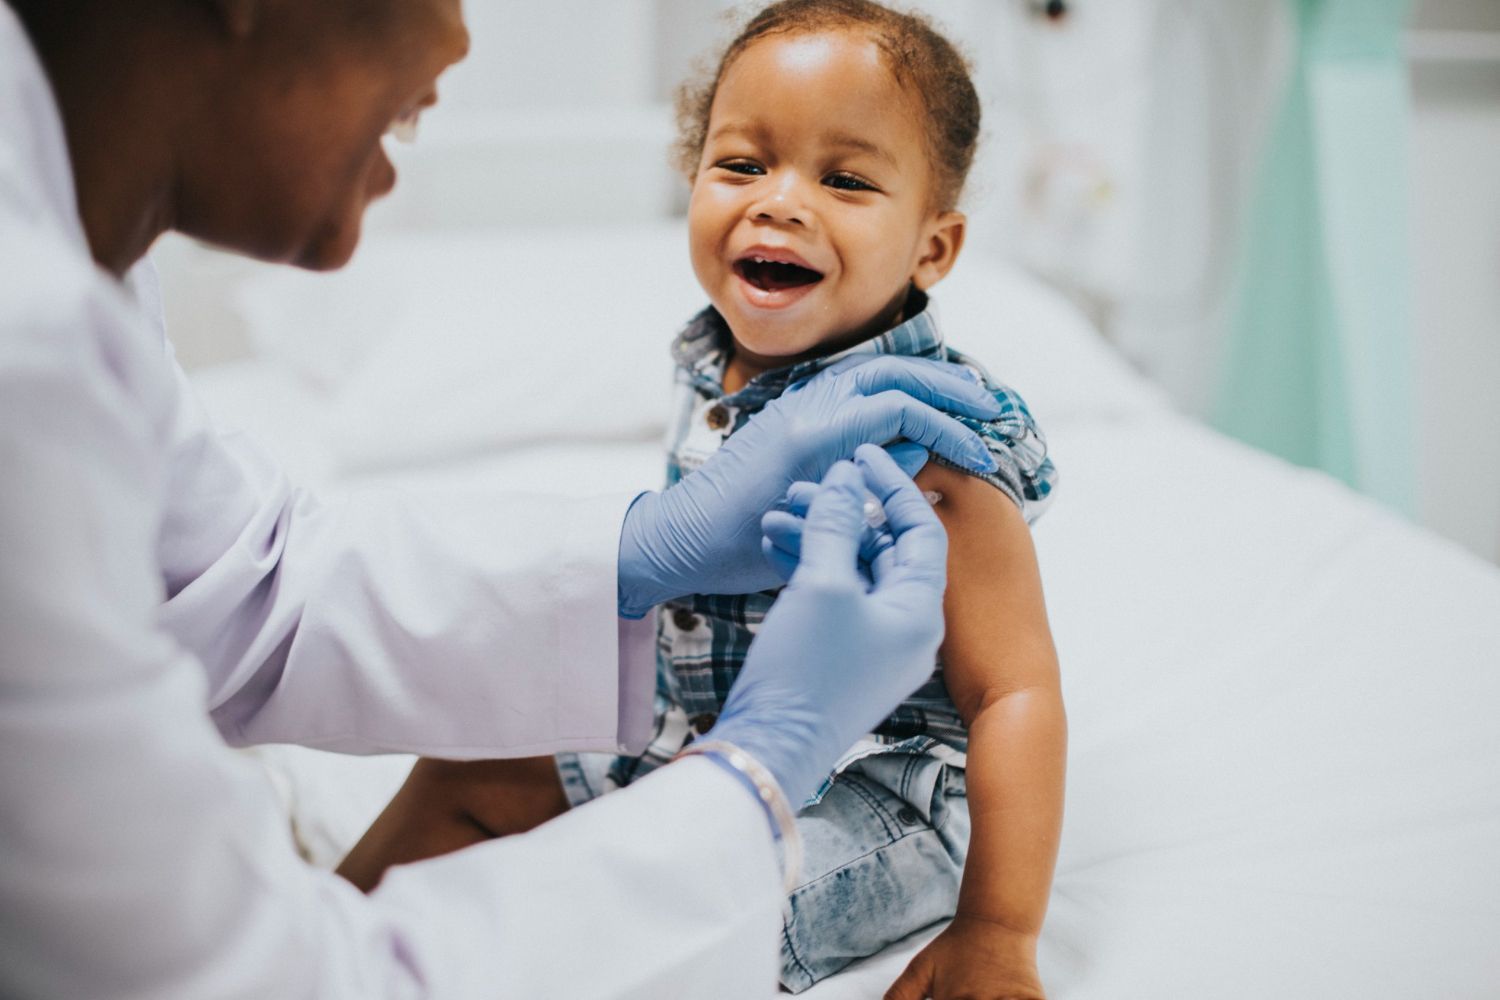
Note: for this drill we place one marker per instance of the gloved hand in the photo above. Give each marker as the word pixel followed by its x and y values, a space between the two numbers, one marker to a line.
pixel 837 651
pixel 703 534
pixel 782 544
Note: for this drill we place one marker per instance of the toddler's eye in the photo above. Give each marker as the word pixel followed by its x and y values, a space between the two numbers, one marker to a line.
pixel 747 167
pixel 848 182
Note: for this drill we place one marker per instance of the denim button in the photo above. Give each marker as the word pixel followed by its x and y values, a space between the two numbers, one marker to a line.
pixel 704 722
pixel 684 620
pixel 717 417
pixel 908 816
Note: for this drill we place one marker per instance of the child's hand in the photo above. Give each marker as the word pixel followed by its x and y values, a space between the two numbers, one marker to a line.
pixel 972 959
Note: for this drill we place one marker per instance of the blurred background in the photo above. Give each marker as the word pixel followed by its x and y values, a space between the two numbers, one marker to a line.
pixel 1286 213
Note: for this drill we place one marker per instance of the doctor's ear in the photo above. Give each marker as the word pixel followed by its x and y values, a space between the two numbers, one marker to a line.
pixel 944 238
pixel 238 17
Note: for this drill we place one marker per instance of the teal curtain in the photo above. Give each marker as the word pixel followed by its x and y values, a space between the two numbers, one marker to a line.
pixel 1318 359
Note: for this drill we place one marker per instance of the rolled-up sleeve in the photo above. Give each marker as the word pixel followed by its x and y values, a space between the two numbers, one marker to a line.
pixel 1024 469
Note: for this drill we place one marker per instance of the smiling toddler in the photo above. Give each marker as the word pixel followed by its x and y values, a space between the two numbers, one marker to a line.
pixel 826 156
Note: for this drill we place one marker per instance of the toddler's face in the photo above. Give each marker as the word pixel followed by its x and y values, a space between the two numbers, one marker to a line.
pixel 811 211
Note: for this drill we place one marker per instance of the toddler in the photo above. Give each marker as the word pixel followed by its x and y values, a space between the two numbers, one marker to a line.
pixel 826 157
pixel 827 154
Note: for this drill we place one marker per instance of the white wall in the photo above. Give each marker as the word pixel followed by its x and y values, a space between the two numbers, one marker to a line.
pixel 1129 137
pixel 1456 199
pixel 1123 149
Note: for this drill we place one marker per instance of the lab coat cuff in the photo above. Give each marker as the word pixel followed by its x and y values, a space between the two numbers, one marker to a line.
pixel 600 657
pixel 637 656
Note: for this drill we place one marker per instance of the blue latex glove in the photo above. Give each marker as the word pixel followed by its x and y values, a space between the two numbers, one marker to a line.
pixel 703 534
pixel 782 544
pixel 838 651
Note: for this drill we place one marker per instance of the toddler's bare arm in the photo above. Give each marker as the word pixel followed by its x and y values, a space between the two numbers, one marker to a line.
pixel 1001 670
pixel 445 805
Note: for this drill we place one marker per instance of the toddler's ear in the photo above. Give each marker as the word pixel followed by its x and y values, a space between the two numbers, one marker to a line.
pixel 943 238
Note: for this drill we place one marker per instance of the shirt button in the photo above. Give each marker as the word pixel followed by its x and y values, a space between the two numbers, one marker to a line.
pixel 908 816
pixel 717 417
pixel 684 620
pixel 703 723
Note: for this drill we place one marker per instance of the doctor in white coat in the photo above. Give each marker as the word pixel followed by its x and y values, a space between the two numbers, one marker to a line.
pixel 165 592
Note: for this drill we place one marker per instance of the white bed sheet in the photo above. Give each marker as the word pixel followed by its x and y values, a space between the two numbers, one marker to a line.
pixel 1284 771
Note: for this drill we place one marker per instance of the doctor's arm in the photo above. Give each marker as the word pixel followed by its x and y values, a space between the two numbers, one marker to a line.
pixel 354 625
pixel 141 858
pixel 470 624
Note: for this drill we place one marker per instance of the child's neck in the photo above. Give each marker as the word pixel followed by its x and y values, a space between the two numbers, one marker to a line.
pixel 740 368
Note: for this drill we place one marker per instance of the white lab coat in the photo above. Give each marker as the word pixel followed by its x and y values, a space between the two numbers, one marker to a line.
pixel 164 590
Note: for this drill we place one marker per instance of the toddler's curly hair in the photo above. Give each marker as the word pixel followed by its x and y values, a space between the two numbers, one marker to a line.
pixel 922 61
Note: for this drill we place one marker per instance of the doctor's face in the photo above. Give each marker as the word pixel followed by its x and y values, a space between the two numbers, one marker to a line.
pixel 292 152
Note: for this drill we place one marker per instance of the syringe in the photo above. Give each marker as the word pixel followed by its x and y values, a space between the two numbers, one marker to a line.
pixel 875 512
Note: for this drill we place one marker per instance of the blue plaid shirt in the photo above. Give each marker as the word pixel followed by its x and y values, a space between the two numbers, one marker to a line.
pixel 702 640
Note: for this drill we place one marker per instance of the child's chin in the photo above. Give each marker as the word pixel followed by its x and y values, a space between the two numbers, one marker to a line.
pixel 775 335
pixel 774 351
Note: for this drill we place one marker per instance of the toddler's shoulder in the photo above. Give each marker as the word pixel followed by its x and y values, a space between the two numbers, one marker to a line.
pixel 1025 470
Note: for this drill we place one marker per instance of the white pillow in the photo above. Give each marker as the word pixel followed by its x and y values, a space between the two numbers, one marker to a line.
pixel 450 345
pixel 1030 337
pixel 277 409
pixel 437 346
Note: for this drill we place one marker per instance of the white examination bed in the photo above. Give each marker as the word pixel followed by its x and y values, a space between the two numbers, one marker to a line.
pixel 1284 775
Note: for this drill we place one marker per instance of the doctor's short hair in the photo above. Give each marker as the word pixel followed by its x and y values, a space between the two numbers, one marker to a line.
pixel 923 62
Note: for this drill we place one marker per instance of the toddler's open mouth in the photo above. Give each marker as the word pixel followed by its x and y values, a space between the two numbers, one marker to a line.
pixel 774 275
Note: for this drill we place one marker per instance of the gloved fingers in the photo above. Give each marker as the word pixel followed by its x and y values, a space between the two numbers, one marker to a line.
pixel 877 552
pixel 909 455
pixel 897 492
pixel 832 530
pixel 937 383
pixel 891 415
pixel 920 544
pixel 799 497
pixel 784 529
pixel 782 542
pixel 783 561
pixel 884 561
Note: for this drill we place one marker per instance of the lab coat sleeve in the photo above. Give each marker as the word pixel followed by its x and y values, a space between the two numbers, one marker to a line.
pixel 141 858
pixel 642 895
pixel 471 625
pixel 475 624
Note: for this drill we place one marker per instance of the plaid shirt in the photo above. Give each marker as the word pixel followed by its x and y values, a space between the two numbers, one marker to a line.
pixel 702 640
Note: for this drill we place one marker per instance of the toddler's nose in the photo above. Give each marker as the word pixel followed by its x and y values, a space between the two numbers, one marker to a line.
pixel 783 203
pixel 769 215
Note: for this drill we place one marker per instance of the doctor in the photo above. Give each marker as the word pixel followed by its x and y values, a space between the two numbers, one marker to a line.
pixel 164 591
